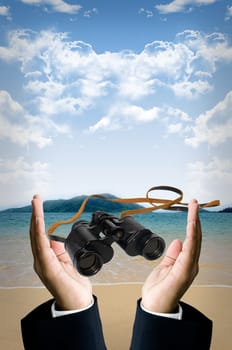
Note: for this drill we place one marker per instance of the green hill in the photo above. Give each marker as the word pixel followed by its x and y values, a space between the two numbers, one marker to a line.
pixel 73 204
pixel 226 210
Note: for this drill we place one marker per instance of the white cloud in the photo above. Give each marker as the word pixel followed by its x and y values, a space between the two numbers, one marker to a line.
pixel 123 116
pixel 181 5
pixel 19 180
pixel 56 5
pixel 140 114
pixel 213 176
pixel 208 50
pixel 64 77
pixel 50 89
pixel 90 13
pixel 228 13
pixel 57 57
pixel 214 126
pixel 94 88
pixel 175 128
pixel 147 13
pixel 136 88
pixel 21 128
pixel 176 121
pixel 191 89
pixel 177 114
pixel 4 11
pixel 104 123
pixel 51 98
pixel 166 59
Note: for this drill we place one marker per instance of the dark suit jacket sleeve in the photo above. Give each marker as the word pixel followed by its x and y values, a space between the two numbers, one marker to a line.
pixel 80 331
pixel 152 332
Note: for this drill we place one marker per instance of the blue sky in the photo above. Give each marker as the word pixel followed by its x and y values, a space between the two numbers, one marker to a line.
pixel 99 96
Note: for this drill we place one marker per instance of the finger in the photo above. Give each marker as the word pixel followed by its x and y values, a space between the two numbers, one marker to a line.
pixel 172 253
pixel 40 242
pixel 33 226
pixel 31 231
pixel 38 206
pixel 192 243
pixel 193 233
pixel 198 239
pixel 193 208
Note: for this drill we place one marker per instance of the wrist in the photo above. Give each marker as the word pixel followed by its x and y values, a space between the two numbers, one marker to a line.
pixel 57 312
pixel 73 304
pixel 177 314
pixel 72 296
pixel 160 307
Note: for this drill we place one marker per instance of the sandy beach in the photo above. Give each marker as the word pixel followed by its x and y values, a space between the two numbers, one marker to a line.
pixel 117 306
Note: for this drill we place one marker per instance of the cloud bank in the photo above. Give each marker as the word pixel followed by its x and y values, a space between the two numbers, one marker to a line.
pixel 66 79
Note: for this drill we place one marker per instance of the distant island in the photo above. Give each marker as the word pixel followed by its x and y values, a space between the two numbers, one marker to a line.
pixel 72 205
pixel 226 210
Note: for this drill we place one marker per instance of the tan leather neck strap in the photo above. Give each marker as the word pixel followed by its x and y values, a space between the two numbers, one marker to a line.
pixel 154 204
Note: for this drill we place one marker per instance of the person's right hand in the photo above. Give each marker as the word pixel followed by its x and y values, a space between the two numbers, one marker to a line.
pixel 54 267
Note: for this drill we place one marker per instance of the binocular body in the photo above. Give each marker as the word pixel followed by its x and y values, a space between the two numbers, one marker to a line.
pixel 89 243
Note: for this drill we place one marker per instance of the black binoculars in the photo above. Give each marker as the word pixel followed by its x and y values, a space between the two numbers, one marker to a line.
pixel 89 243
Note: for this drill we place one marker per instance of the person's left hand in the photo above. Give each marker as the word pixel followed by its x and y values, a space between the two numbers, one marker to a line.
pixel 54 267
pixel 168 282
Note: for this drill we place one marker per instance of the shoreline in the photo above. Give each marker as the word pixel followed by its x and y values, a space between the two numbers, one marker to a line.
pixel 117 305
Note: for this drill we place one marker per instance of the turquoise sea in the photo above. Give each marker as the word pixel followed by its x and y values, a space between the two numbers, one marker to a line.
pixel 215 263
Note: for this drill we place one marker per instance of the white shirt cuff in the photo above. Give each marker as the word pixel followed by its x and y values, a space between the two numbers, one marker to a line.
pixel 58 313
pixel 176 316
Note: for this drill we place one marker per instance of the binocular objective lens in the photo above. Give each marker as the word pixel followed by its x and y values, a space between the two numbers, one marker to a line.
pixel 154 248
pixel 89 263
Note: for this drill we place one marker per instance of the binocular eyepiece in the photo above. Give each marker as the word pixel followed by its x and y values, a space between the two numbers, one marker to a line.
pixel 89 243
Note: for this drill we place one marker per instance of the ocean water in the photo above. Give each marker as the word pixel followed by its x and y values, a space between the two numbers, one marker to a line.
pixel 16 262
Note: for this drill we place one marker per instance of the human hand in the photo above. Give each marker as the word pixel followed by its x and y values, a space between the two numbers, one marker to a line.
pixel 168 282
pixel 54 266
